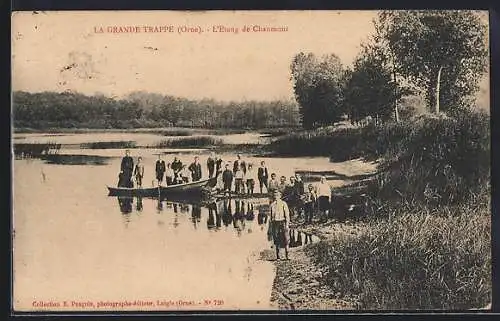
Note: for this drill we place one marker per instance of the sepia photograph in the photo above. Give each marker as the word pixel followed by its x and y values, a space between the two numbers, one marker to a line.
pixel 251 161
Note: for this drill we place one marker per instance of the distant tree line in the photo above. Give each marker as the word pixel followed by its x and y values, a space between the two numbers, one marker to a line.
pixel 437 55
pixel 141 109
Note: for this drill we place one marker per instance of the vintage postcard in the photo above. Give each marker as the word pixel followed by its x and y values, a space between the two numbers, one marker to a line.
pixel 251 160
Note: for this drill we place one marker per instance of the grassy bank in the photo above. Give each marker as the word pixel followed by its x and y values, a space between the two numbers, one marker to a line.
pixel 35 150
pixel 425 241
pixel 416 260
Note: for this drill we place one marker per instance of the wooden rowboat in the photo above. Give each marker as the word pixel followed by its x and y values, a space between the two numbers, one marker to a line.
pixel 187 188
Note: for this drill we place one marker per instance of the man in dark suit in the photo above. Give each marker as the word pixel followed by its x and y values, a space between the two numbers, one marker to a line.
pixel 195 169
pixel 263 176
pixel 127 168
pixel 160 169
pixel 211 164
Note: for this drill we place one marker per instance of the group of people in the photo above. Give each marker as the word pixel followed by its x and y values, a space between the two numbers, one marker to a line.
pixel 288 198
pixel 174 173
pixel 177 172
pixel 293 198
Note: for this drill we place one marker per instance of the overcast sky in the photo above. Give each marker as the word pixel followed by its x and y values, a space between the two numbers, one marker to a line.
pixel 58 51
pixel 224 66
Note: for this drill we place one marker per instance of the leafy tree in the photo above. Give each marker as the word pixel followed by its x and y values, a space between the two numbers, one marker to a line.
pixel 370 87
pixel 443 53
pixel 318 88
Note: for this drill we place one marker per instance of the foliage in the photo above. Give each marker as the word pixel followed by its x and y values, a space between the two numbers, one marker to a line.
pixel 73 110
pixel 318 87
pixel 439 160
pixel 371 88
pixel 423 42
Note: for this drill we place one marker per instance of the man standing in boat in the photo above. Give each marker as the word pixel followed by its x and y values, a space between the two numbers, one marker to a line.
pixel 211 164
pixel 139 172
pixel 127 168
pixel 195 169
pixel 279 224
pixel 239 170
pixel 227 178
pixel 169 175
pixel 177 167
pixel 218 165
pixel 160 169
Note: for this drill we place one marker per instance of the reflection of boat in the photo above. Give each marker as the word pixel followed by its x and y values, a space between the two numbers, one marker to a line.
pixel 186 188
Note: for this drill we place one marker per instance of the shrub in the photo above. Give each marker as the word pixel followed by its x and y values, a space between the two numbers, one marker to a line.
pixel 440 160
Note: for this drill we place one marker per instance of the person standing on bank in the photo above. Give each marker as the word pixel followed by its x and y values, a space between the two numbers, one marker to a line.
pixel 160 169
pixel 273 183
pixel 211 164
pixel 263 176
pixel 279 224
pixel 309 201
pixel 139 172
pixel 195 169
pixel 324 193
pixel 127 168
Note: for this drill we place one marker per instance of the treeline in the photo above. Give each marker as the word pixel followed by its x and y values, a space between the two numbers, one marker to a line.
pixel 140 109
pixel 439 56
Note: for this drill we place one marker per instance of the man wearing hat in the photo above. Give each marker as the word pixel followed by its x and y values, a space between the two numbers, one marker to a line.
pixel 279 224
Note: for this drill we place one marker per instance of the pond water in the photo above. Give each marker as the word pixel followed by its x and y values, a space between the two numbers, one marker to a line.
pixel 74 243
pixel 141 139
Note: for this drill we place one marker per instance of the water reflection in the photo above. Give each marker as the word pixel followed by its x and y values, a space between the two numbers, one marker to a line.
pixel 139 204
pixel 238 216
pixel 195 214
pixel 125 204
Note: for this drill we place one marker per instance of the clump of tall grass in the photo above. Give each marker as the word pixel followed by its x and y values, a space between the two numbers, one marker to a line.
pixel 185 142
pixel 414 261
pixel 35 150
pixel 438 161
pixel 341 143
pixel 108 145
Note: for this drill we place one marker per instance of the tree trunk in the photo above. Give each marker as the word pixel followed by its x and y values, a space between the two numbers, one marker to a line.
pixel 396 111
pixel 436 106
